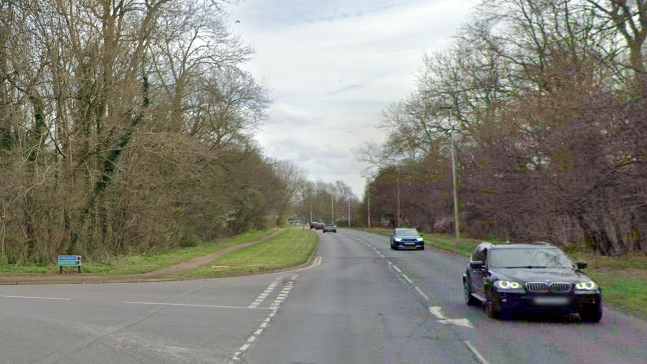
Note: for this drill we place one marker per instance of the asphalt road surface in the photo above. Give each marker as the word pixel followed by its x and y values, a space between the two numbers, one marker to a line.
pixel 359 303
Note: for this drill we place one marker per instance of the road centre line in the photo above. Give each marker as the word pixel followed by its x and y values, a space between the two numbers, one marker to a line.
pixel 192 305
pixel 37 298
pixel 422 293
pixel 407 278
pixel 476 353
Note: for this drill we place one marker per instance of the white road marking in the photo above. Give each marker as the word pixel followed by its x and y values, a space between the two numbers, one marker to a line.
pixel 274 308
pixel 192 305
pixel 37 298
pixel 266 293
pixel 422 293
pixel 436 311
pixel 458 322
pixel 407 278
pixel 396 268
pixel 476 353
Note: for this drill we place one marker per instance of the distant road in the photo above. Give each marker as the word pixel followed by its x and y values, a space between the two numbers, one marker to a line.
pixel 362 303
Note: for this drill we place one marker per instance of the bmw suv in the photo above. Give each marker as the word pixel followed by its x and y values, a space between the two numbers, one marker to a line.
pixel 536 277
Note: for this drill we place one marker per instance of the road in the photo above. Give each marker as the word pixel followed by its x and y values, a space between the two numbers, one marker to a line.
pixel 359 303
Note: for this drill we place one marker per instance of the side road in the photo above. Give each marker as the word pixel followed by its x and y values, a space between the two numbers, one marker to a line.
pixel 164 274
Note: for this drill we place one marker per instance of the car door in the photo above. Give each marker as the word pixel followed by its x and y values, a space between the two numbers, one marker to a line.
pixel 476 274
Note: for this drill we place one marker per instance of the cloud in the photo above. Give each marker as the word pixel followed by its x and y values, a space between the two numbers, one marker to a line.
pixel 333 66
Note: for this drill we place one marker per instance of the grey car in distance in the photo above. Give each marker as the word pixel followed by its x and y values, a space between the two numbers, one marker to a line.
pixel 330 227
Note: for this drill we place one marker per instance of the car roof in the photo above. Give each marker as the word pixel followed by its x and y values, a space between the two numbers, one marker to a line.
pixel 401 229
pixel 536 245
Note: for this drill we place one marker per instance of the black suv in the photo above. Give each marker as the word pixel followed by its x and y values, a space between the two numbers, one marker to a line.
pixel 536 277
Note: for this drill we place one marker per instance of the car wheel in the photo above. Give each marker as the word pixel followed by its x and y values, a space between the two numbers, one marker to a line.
pixel 491 311
pixel 393 247
pixel 422 247
pixel 591 314
pixel 324 231
pixel 469 299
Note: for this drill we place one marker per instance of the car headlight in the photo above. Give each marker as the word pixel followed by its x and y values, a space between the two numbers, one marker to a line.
pixel 586 286
pixel 507 285
pixel 398 239
pixel 420 239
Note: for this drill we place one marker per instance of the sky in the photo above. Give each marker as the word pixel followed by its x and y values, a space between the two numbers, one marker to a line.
pixel 332 66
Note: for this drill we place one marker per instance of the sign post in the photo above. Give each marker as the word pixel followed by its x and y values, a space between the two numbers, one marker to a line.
pixel 69 261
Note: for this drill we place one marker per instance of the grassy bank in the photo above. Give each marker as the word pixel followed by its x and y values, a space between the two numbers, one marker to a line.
pixel 623 279
pixel 288 249
pixel 134 264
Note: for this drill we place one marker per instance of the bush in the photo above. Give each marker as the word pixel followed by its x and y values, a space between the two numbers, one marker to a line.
pixel 189 239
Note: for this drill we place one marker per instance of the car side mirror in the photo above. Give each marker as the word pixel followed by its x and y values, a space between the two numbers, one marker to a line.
pixel 581 265
pixel 477 264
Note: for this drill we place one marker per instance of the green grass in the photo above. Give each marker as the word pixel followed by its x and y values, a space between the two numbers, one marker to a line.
pixel 291 248
pixel 623 289
pixel 134 264
pixel 623 279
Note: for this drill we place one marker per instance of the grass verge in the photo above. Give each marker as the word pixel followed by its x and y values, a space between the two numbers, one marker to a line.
pixel 623 278
pixel 291 248
pixel 134 264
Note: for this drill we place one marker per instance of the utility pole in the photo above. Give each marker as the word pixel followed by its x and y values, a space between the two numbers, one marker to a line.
pixel 456 213
pixel 348 210
pixel 368 208
pixel 457 227
pixel 332 208
pixel 398 183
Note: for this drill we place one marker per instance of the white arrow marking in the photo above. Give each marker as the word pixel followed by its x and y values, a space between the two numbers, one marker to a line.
pixel 436 312
pixel 458 322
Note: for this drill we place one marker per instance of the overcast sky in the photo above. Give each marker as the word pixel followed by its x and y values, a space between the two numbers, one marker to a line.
pixel 333 66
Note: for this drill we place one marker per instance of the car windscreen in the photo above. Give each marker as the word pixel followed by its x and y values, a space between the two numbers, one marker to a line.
pixel 406 232
pixel 529 258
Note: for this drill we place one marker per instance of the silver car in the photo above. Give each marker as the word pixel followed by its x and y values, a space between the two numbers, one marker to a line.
pixel 330 227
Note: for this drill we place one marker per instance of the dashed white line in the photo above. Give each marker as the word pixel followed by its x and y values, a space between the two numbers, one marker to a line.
pixel 407 278
pixel 476 353
pixel 422 293
pixel 275 307
pixel 265 293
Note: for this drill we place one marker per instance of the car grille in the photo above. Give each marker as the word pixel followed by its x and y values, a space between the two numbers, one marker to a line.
pixel 560 287
pixel 537 287
pixel 545 287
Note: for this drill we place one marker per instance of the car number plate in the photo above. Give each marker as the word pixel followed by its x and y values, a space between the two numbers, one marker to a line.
pixel 409 243
pixel 551 300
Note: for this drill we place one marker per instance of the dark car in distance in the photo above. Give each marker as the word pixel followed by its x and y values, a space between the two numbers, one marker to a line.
pixel 407 238
pixel 536 277
pixel 319 226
